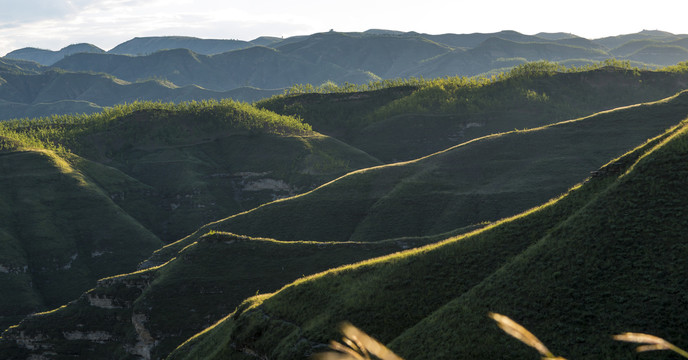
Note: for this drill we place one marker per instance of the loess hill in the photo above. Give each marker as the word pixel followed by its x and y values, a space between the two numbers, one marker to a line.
pixel 414 119
pixel 59 232
pixel 478 181
pixel 605 258
pixel 364 214
pixel 85 197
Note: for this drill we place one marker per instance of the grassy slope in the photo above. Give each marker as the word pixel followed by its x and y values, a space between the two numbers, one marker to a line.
pixel 482 180
pixel 175 168
pixel 59 233
pixel 59 92
pixel 603 259
pixel 10 66
pixel 202 284
pixel 416 121
pixel 172 168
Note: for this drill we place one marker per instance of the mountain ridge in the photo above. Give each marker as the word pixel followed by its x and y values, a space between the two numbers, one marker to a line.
pixel 272 63
pixel 573 306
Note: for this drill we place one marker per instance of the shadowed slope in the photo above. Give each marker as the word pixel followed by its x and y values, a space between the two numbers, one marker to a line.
pixel 601 260
pixel 171 168
pixel 202 284
pixel 407 122
pixel 177 167
pixel 59 92
pixel 482 180
pixel 59 233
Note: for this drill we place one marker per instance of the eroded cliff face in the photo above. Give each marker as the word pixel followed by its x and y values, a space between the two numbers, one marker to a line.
pixel 149 313
pixel 100 324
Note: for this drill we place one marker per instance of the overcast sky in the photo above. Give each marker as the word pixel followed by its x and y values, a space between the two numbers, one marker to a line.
pixel 53 24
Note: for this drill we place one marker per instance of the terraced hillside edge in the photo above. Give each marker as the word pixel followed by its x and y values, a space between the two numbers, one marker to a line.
pixel 607 257
pixel 149 313
pixel 59 232
pixel 86 197
pixel 482 180
pixel 177 167
pixel 146 300
pixel 410 119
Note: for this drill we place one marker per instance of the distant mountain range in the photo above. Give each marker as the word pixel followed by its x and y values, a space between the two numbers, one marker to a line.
pixel 187 68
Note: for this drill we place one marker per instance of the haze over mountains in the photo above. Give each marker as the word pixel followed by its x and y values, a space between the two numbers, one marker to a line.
pixel 185 68
pixel 215 229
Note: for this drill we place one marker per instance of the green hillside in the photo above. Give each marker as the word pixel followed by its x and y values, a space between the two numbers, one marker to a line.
pixel 177 167
pixel 201 285
pixel 59 232
pixel 404 123
pixel 605 258
pixel 482 180
pixel 60 92
pixel 632 46
pixel 160 171
pixel 204 276
pixel 660 54
pixel 10 66
pixel 84 197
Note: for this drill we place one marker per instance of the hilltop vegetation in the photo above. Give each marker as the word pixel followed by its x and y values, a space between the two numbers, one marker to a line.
pixel 404 120
pixel 265 197
pixel 481 180
pixel 367 213
pixel 176 167
pixel 574 271
pixel 84 197
pixel 59 92
pixel 60 232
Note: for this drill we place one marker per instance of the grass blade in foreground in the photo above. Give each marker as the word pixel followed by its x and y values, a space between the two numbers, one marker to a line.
pixel 650 343
pixel 519 332
pixel 360 346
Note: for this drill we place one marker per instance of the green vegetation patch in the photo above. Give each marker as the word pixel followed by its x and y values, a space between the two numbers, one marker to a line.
pixel 482 180
pixel 406 119
pixel 574 271
pixel 202 284
pixel 59 233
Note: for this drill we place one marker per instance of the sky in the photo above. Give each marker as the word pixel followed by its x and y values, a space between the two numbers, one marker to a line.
pixel 54 24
